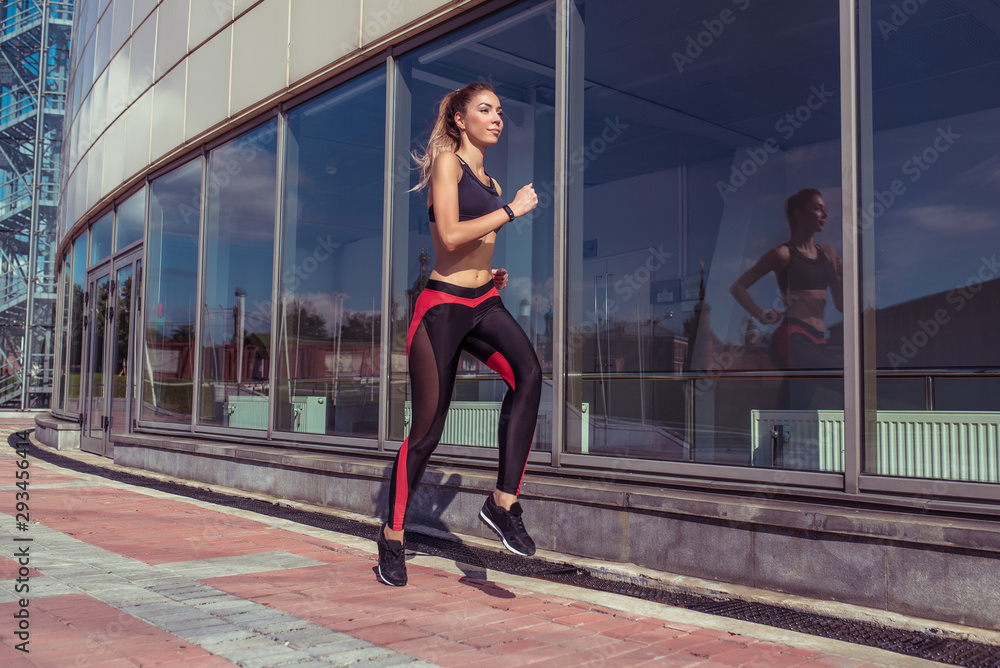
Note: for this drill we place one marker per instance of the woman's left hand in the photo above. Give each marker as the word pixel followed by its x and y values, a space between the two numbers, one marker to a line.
pixel 499 278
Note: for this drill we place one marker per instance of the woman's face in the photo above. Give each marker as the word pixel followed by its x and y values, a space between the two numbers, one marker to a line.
pixel 482 120
pixel 812 216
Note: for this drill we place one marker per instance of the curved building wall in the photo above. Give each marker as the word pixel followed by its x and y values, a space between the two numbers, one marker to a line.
pixel 152 77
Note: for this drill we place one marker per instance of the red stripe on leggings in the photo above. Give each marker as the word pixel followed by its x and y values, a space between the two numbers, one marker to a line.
pixel 499 363
pixel 428 299
pixel 402 487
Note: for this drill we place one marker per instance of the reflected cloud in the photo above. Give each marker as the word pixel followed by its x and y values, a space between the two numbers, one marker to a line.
pixel 950 217
pixel 982 174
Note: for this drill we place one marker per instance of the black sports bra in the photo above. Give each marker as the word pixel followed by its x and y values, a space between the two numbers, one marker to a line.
pixel 475 199
pixel 805 273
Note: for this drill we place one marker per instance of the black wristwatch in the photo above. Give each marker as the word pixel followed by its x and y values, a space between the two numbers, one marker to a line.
pixel 509 212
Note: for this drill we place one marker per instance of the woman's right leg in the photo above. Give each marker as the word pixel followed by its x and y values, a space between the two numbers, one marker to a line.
pixel 434 354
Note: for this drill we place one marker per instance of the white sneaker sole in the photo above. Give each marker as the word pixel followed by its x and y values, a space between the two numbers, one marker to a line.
pixel 499 533
pixel 385 580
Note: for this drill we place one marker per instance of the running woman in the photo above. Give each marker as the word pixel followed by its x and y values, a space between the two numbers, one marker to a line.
pixel 460 309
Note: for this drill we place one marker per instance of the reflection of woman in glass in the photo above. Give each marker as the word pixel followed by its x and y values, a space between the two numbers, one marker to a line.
pixel 804 270
pixel 460 308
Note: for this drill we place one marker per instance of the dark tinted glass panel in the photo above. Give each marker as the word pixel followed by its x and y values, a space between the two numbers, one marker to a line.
pixel 171 295
pixel 515 51
pixel 78 288
pixel 131 219
pixel 928 228
pixel 701 316
pixel 331 273
pixel 100 238
pixel 237 277
pixel 63 320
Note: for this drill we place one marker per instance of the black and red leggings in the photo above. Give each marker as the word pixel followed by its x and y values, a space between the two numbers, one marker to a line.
pixel 448 319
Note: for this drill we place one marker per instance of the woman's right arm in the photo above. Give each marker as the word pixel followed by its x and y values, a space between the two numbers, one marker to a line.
pixel 445 175
pixel 767 263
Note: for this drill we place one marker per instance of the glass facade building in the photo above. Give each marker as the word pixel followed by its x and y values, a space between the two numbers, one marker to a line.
pixel 240 248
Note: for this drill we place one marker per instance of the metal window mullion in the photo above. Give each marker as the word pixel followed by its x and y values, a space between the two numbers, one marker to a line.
pixel 199 320
pixel 138 371
pixel 560 229
pixel 57 354
pixel 385 330
pixel 276 296
pixel 854 413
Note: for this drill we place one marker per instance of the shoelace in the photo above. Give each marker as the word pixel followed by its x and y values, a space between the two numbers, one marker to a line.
pixel 396 554
pixel 515 520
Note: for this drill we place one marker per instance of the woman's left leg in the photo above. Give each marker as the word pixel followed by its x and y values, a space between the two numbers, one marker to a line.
pixel 499 342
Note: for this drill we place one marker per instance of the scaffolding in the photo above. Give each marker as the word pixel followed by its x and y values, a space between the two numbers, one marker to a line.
pixel 34 55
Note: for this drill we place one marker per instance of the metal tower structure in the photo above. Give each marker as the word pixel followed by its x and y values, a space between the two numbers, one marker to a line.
pixel 34 58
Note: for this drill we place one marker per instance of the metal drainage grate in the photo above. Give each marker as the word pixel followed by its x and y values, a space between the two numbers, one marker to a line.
pixel 917 644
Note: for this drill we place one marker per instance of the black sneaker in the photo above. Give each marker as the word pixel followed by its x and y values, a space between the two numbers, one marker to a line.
pixel 391 560
pixel 509 526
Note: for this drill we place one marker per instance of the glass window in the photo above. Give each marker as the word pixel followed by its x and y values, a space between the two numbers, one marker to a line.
pixel 237 276
pixel 928 224
pixel 171 294
pixel 100 238
pixel 131 220
pixel 78 287
pixel 514 50
pixel 62 334
pixel 701 318
pixel 329 320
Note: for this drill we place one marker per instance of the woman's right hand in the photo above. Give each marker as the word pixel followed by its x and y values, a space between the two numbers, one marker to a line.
pixel 524 201
pixel 771 317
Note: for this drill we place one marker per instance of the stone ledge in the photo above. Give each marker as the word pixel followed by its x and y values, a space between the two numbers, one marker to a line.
pixel 763 513
pixel 56 432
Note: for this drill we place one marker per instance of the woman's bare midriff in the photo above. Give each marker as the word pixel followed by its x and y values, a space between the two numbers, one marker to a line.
pixel 807 306
pixel 468 266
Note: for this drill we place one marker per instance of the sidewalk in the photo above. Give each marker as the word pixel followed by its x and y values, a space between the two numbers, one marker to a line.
pixel 124 576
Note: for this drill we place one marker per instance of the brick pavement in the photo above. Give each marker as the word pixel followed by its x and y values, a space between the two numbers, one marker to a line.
pixel 123 576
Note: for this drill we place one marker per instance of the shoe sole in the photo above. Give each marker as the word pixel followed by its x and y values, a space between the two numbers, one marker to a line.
pixel 385 580
pixel 499 533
